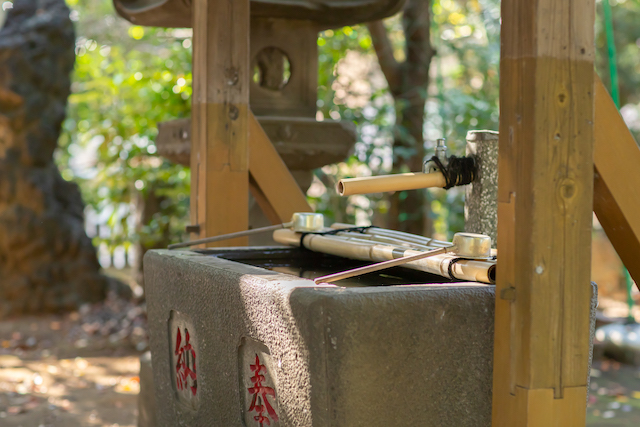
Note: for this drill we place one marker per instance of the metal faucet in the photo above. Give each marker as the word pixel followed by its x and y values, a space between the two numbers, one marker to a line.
pixel 441 153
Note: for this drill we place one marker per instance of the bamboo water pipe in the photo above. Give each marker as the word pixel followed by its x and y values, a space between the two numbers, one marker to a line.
pixel 384 183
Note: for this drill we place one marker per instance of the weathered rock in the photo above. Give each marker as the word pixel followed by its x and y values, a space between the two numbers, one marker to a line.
pixel 47 262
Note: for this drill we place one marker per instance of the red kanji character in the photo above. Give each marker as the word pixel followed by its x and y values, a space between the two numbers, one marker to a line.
pixel 186 364
pixel 260 394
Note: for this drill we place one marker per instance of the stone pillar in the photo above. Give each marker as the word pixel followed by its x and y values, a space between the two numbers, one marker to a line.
pixel 481 201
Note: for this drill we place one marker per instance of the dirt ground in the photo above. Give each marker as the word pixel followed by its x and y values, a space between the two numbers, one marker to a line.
pixel 615 395
pixel 81 369
pixel 74 370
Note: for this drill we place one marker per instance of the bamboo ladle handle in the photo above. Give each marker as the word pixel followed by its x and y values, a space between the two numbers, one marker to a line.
pixel 468 245
pixel 381 265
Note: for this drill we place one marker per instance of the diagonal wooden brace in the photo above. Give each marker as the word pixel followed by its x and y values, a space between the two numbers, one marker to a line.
pixel 270 181
pixel 616 191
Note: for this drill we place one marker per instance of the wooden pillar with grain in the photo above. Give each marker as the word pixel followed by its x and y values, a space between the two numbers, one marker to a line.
pixel 220 118
pixel 544 213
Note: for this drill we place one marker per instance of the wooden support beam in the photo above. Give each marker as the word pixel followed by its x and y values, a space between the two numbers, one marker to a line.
pixel 220 124
pixel 263 202
pixel 272 185
pixel 616 192
pixel 544 213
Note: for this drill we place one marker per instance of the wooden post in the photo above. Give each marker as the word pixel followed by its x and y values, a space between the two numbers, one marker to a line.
pixel 544 213
pixel 220 118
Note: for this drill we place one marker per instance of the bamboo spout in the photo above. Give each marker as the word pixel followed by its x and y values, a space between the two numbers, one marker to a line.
pixel 384 183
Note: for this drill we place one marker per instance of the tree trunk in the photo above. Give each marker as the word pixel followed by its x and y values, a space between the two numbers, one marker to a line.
pixel 47 262
pixel 408 82
pixel 147 205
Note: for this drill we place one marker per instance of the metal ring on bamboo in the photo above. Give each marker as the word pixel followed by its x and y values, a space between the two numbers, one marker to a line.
pixel 301 222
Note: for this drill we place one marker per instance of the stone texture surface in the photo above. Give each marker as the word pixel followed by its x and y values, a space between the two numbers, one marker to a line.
pixel 481 198
pixel 370 356
pixel 592 331
pixel 146 397
pixel 47 263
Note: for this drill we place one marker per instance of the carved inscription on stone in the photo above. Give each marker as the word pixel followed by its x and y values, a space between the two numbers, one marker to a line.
pixel 184 359
pixel 258 385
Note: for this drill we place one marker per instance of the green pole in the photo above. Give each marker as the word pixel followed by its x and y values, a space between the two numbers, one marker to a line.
pixel 615 94
pixel 630 303
pixel 611 50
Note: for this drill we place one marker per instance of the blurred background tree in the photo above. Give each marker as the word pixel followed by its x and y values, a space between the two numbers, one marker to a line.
pixel 462 94
pixel 127 79
pixel 407 81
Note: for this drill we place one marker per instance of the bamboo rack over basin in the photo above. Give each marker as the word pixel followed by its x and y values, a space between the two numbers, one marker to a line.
pixel 447 265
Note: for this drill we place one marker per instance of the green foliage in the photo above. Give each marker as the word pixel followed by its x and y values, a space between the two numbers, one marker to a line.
pixel 463 96
pixel 466 36
pixel 350 87
pixel 129 78
pixel 626 33
pixel 126 80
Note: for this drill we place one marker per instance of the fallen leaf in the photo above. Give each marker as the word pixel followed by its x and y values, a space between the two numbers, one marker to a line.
pixel 32 405
pixel 15 410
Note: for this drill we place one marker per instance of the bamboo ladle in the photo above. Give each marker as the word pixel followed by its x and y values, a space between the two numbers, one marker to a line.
pixel 466 245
